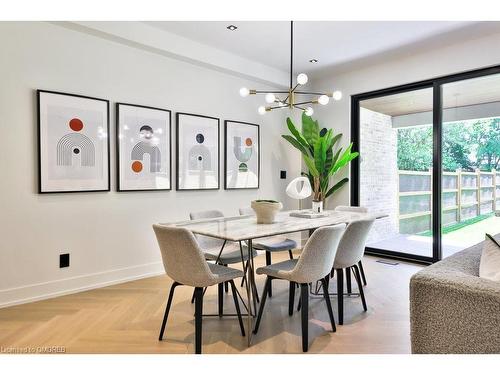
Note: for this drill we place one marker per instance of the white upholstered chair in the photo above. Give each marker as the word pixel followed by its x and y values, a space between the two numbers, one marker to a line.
pixel 271 244
pixel 185 264
pixel 360 264
pixel 315 263
pixel 349 253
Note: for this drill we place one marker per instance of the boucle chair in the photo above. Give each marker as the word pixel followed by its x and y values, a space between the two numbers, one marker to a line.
pixel 315 263
pixel 271 244
pixel 212 249
pixel 350 252
pixel 452 309
pixel 184 263
pixel 360 264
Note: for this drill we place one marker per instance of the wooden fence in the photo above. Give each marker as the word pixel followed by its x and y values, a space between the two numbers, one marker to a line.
pixel 465 195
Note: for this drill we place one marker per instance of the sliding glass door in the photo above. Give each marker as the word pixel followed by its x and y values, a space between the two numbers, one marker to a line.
pixel 430 160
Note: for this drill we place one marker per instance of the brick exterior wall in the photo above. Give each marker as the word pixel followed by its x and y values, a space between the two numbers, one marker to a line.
pixel 378 172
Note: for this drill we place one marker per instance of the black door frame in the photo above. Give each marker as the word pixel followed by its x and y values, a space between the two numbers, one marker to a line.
pixel 436 85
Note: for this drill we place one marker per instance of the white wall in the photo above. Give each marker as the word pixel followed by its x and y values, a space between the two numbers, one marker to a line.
pixel 468 55
pixel 108 235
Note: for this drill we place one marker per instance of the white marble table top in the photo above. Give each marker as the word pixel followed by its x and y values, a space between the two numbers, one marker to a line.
pixel 240 228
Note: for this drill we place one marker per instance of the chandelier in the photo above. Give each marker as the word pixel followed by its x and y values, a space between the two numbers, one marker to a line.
pixel 290 98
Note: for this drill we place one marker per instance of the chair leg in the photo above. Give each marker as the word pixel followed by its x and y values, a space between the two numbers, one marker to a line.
pixel 268 262
pixel 340 294
pixel 291 298
pixel 244 278
pixel 226 284
pixel 348 279
pixel 290 254
pixel 198 308
pixel 192 298
pixel 328 302
pixel 360 265
pixel 167 309
pixel 220 295
pixel 237 306
pixel 360 286
pixel 263 302
pixel 304 298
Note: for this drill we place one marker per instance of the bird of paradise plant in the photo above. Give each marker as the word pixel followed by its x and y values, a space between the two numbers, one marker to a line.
pixel 317 148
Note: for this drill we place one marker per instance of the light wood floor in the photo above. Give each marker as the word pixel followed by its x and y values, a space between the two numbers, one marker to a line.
pixel 126 318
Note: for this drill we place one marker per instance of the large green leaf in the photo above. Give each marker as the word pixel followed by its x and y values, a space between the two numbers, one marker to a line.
pixel 310 164
pixel 295 144
pixel 296 133
pixel 336 187
pixel 310 129
pixel 345 158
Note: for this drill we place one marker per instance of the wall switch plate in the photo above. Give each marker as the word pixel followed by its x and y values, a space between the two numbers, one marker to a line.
pixel 63 260
pixel 283 175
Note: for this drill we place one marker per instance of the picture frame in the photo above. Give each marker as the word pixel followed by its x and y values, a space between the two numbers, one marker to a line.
pixel 241 168
pixel 197 152
pixel 73 143
pixel 143 148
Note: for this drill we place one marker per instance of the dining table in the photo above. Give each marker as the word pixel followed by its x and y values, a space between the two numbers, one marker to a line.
pixel 244 230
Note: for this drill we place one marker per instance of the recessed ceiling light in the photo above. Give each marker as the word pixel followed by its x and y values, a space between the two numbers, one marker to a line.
pixel 314 61
pixel 231 27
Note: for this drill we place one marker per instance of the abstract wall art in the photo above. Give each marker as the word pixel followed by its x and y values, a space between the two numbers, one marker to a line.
pixel 241 155
pixel 143 139
pixel 73 143
pixel 197 152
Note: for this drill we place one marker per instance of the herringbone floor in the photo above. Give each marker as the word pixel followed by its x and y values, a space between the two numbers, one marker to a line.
pixel 126 318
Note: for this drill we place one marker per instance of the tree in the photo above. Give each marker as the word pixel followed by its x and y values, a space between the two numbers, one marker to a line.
pixel 486 136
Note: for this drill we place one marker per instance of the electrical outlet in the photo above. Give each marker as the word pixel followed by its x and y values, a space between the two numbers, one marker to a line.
pixel 63 260
pixel 283 175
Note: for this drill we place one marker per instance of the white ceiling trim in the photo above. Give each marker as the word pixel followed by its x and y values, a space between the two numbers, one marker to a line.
pixel 141 35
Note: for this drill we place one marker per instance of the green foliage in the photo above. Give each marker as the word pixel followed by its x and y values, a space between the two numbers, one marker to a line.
pixel 466 144
pixel 317 148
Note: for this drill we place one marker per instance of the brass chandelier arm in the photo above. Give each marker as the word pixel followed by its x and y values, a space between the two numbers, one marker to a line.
pixel 254 92
pixel 329 94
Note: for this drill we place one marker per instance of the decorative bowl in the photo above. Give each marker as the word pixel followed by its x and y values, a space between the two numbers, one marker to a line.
pixel 266 210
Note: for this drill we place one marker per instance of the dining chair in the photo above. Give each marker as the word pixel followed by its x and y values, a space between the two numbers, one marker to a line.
pixel 350 251
pixel 271 244
pixel 360 264
pixel 185 264
pixel 231 254
pixel 314 264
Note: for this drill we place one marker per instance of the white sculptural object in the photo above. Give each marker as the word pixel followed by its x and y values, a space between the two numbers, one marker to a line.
pixel 292 190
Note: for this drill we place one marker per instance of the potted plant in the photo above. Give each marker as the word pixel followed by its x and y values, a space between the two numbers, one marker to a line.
pixel 323 161
pixel 266 210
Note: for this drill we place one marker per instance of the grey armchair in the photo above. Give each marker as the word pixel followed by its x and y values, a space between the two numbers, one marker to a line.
pixel 271 244
pixel 184 263
pixel 349 254
pixel 314 264
pixel 360 263
pixel 212 247
pixel 452 309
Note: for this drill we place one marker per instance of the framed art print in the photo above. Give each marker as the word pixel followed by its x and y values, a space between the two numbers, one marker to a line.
pixel 143 147
pixel 73 143
pixel 241 155
pixel 197 152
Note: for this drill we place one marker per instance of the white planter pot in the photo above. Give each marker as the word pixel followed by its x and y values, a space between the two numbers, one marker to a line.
pixel 266 211
pixel 317 207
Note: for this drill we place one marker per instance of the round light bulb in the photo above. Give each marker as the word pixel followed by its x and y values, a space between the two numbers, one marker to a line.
pixel 302 79
pixel 323 100
pixel 270 98
pixel 337 95
pixel 309 111
pixel 244 92
pixel 262 110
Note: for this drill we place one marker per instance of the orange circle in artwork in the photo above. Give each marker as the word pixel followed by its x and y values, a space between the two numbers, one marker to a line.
pixel 76 124
pixel 248 141
pixel 137 166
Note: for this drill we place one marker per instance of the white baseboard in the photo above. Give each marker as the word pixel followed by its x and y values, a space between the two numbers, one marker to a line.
pixel 51 289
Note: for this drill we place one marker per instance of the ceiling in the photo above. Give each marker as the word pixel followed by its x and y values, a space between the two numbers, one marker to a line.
pixel 457 94
pixel 332 43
